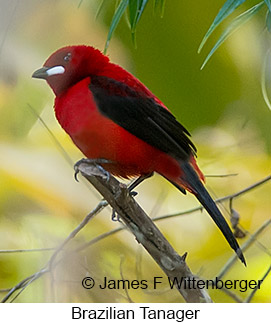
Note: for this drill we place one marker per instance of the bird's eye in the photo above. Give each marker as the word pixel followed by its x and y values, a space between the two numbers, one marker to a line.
pixel 67 57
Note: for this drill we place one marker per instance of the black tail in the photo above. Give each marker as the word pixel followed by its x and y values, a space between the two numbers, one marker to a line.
pixel 207 202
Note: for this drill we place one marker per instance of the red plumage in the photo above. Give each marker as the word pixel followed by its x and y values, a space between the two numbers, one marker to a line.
pixel 99 137
pixel 109 114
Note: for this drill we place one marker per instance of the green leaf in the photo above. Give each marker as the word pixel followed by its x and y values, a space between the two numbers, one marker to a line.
pixel 268 21
pixel 268 3
pixel 136 8
pixel 265 72
pixel 79 4
pixel 161 5
pixel 100 9
pixel 133 9
pixel 228 7
pixel 234 25
pixel 115 21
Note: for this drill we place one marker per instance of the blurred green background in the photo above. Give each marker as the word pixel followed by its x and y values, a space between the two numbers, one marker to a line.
pixel 222 106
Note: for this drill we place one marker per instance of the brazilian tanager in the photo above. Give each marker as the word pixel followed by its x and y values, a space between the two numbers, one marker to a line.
pixel 110 115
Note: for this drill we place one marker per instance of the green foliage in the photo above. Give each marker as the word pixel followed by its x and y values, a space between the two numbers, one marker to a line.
pixel 229 7
pixel 232 27
pixel 160 6
pixel 268 3
pixel 225 11
pixel 136 9
pixel 265 71
pixel 268 21
pixel 115 20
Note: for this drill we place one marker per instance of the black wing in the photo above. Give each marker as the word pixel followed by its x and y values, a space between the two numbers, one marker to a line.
pixel 147 120
pixel 141 116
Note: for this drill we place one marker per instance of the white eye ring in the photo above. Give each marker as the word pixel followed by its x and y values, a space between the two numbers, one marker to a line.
pixel 55 70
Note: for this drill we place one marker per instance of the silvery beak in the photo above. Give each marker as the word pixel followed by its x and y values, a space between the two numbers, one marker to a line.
pixel 41 73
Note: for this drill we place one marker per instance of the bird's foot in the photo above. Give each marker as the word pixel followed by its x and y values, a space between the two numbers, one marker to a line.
pixel 95 162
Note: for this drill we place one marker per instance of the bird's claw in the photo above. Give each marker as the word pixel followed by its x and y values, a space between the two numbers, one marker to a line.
pixel 76 168
pixel 104 172
pixel 115 216
pixel 76 171
pixel 95 162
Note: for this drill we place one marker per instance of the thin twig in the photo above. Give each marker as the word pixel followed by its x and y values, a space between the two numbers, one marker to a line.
pixel 232 295
pixel 56 142
pixel 26 250
pixel 4 290
pixel 250 296
pixel 24 283
pixel 122 277
pixel 99 238
pixel 221 175
pixel 9 24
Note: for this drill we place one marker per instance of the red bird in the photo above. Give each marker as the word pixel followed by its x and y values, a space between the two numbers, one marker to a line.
pixel 109 114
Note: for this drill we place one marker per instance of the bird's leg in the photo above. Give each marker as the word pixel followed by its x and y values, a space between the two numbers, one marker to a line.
pixel 138 181
pixel 95 162
pixel 133 185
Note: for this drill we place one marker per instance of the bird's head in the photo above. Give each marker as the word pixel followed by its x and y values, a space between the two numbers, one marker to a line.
pixel 69 65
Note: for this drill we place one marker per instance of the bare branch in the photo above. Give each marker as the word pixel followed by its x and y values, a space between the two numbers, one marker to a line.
pixel 143 228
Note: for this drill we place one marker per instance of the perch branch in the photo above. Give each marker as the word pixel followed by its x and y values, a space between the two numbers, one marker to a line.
pixel 143 228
